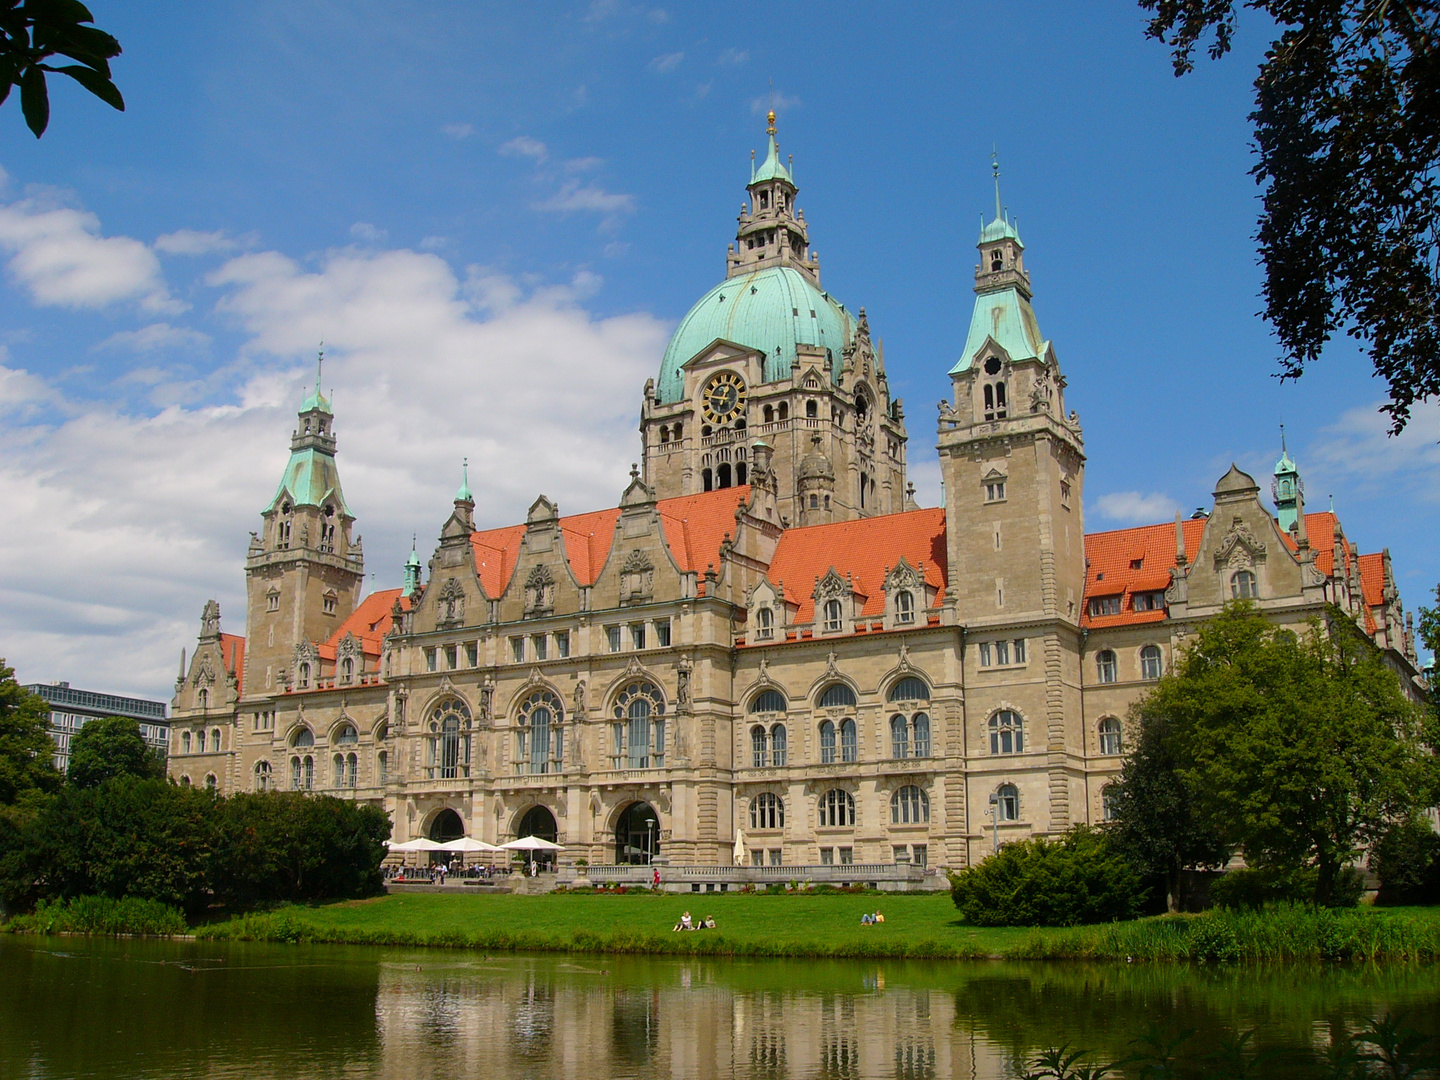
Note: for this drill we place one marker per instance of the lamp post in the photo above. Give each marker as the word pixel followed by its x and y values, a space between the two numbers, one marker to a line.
pixel 649 840
pixel 995 822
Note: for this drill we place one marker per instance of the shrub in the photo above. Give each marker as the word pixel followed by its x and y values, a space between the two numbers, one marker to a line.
pixel 1079 878
pixel 100 915
pixel 1253 888
pixel 1407 861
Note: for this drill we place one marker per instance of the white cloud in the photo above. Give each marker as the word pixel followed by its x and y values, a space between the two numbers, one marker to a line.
pixel 156 336
pixel 1359 448
pixel 732 57
pixel 367 233
pixel 1135 508
pixel 427 368
pixel 191 242
pixel 524 146
pixel 59 256
pixel 575 196
pixel 667 63
pixel 458 131
pixel 779 102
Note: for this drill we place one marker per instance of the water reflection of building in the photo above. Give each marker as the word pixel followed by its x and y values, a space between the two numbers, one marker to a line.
pixel 513 1017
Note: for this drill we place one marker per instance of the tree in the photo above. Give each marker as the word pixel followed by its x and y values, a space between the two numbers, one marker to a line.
pixel 1155 823
pixel 27 771
pixel 1295 751
pixel 1347 128
pixel 108 747
pixel 1081 877
pixel 34 31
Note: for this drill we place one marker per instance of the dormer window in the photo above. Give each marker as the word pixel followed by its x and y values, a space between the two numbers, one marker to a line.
pixel 347 671
pixel 302 678
pixel 905 607
pixel 834 616
pixel 765 624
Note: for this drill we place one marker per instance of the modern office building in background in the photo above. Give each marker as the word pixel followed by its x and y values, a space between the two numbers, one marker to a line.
pixel 72 709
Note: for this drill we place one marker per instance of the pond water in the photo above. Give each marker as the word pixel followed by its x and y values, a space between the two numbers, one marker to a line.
pixel 76 1007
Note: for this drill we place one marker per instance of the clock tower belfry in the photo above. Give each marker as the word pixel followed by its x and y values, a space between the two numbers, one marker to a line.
pixel 768 357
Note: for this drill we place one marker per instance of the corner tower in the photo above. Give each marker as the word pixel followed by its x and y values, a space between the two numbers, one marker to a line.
pixel 303 572
pixel 1013 465
pixel 768 355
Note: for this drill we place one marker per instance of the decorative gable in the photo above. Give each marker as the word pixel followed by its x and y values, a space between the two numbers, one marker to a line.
pixel 637 577
pixel 539 591
pixel 1239 550
pixel 450 605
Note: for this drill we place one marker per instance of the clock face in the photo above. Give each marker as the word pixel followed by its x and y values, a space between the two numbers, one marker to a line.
pixel 724 398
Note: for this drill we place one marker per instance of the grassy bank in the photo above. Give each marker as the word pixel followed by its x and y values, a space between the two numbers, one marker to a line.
pixel 100 915
pixel 925 926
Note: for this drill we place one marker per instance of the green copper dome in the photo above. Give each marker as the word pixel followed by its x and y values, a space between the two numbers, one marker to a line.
pixel 771 311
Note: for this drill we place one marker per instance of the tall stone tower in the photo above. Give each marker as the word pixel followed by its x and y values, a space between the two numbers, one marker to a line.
pixel 303 572
pixel 1013 466
pixel 769 356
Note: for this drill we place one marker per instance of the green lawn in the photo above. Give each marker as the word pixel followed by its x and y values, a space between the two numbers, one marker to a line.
pixel 925 925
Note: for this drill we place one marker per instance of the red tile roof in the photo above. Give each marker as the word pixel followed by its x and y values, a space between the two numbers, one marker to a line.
pixel 1111 569
pixel 693 525
pixel 232 652
pixel 864 549
pixel 369 622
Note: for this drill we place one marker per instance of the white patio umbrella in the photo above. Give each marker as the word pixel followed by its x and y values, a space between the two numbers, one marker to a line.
pixel 739 847
pixel 532 843
pixel 468 844
pixel 418 844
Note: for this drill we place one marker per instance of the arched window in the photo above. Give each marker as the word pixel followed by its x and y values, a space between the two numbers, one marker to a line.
pixel 784 413
pixel 352 770
pixel 765 623
pixel 920 734
pixel 1108 802
pixel 185 742
pixel 302 737
pixel 905 606
pixel 1007 733
pixel 722 475
pixel 827 743
pixel 1242 585
pixel 303 679
pixel 837 809
pixel 1150 662
pixel 758 746
pixel 638 730
pixel 849 745
pixel 899 737
pixel 1110 736
pixel 1007 803
pixel 812 410
pixel 539 741
pixel 204 698
pixel 833 616
pixel 768 701
pixel 184 781
pixel 210 782
pixel 346 735
pixel 909 806
pixel 448 741
pixel 347 671
pixel 200 742
pixel 779 745
pixel 708 479
pixel 339 763
pixel 768 413
pixel 262 776
pixel 837 696
pixel 215 740
pixel 767 811
pixel 302 773
pixel 910 689
pixel 382 768
pixel 1105 668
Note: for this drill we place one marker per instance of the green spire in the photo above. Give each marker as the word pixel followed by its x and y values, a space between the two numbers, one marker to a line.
pixel 1287 488
pixel 464 494
pixel 771 169
pixel 316 400
pixel 412 570
pixel 1000 228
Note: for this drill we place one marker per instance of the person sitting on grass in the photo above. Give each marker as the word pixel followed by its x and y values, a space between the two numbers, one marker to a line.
pixel 878 917
pixel 709 922
pixel 685 923
pixel 866 919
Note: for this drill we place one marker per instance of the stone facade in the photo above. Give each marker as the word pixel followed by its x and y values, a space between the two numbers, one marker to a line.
pixel 792 664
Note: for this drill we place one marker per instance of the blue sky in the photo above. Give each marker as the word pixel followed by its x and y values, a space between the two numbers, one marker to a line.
pixel 494 215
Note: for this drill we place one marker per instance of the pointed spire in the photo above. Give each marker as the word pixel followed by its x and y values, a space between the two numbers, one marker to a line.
pixel 1180 557
pixel 1000 227
pixel 771 169
pixel 464 494
pixel 412 570
pixel 995 170
pixel 317 400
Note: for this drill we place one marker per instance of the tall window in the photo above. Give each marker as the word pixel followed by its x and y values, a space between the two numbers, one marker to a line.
pixel 779 745
pixel 758 745
pixel 920 734
pixel 1007 803
pixel 539 740
pixel 1110 736
pixel 1242 585
pixel 1108 802
pixel 1105 667
pixel 837 809
pixel 382 767
pixel 262 776
pixel 833 617
pixel 185 742
pixel 448 741
pixel 827 743
pixel 899 737
pixel 765 623
pixel 909 806
pixel 638 728
pixel 347 671
pixel 905 606
pixel 302 772
pixel 849 744
pixel 1007 733
pixel 767 811
pixel 303 680
pixel 1150 662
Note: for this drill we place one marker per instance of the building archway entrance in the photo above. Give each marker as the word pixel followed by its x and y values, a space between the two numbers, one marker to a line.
pixel 540 822
pixel 637 835
pixel 447 826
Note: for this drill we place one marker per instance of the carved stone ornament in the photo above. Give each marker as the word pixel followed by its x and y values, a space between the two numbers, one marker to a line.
pixel 451 603
pixel 210 619
pixel 831 668
pixel 204 674
pixel 903 576
pixel 682 684
pixel 487 701
pixel 349 647
pixel 637 575
pixel 904 664
pixel 634 668
pixel 306 651
pixel 539 590
pixel 832 586
pixel 1240 548
pixel 579 708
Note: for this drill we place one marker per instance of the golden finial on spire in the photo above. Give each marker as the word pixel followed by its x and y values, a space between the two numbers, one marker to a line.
pixel 770 119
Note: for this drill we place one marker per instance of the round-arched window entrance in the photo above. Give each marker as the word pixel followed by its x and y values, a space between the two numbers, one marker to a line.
pixel 447 826
pixel 637 835
pixel 538 822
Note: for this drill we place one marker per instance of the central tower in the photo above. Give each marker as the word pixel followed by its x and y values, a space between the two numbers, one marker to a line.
pixel 767 363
